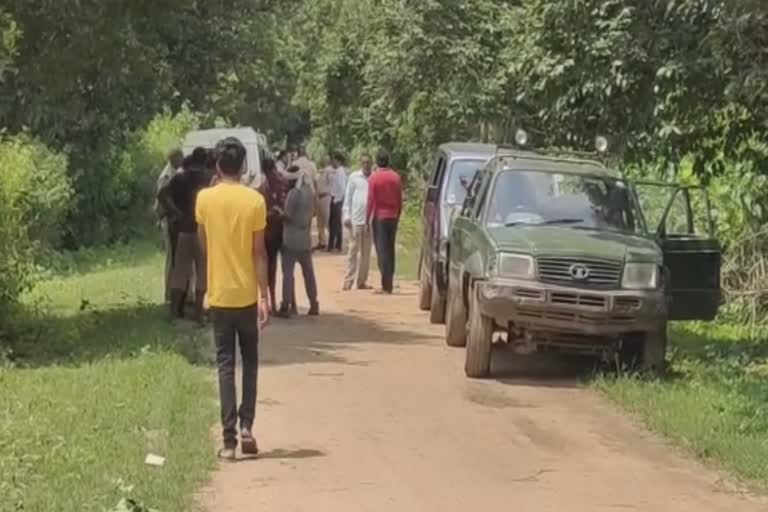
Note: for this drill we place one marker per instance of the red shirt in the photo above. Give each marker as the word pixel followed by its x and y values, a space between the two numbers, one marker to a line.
pixel 385 195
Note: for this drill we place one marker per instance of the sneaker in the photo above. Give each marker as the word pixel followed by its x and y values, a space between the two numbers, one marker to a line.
pixel 248 443
pixel 348 286
pixel 314 310
pixel 364 287
pixel 284 312
pixel 227 454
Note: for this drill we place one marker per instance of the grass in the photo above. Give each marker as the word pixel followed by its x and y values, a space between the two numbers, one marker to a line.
pixel 98 379
pixel 713 402
pixel 409 242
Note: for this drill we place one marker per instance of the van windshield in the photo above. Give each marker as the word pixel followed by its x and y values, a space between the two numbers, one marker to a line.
pixel 459 178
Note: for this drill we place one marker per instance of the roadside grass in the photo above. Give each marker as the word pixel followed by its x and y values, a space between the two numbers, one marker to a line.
pixel 97 380
pixel 409 242
pixel 714 400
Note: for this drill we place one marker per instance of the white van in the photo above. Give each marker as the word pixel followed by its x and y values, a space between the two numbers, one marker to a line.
pixel 256 147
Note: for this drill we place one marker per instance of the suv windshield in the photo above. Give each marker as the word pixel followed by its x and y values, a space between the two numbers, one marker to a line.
pixel 461 174
pixel 550 198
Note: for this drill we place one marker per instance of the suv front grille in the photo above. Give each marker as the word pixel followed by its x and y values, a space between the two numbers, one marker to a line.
pixel 559 270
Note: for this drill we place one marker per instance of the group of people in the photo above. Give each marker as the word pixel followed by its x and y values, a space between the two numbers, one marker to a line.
pixel 224 240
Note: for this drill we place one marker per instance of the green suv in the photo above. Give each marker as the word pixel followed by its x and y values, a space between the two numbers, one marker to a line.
pixel 554 252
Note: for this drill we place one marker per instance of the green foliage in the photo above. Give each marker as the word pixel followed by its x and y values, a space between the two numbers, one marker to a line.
pixel 114 204
pixel 35 195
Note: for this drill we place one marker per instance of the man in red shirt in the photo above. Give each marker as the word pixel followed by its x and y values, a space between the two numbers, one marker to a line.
pixel 385 204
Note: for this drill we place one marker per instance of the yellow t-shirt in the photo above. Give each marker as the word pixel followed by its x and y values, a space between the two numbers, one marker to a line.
pixel 231 213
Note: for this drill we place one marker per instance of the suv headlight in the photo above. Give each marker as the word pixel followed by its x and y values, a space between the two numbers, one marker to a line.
pixel 640 276
pixel 515 266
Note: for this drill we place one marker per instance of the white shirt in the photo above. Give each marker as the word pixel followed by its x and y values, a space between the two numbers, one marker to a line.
pixel 338 179
pixel 356 199
pixel 308 168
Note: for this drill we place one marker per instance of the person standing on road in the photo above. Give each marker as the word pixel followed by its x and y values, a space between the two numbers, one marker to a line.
pixel 232 219
pixel 178 199
pixel 174 162
pixel 354 215
pixel 385 204
pixel 338 186
pixel 297 243
pixel 273 190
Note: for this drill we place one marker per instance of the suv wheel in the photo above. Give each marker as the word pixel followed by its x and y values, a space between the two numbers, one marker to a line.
pixel 645 351
pixel 479 341
pixel 455 320
pixel 655 349
pixel 437 306
pixel 425 291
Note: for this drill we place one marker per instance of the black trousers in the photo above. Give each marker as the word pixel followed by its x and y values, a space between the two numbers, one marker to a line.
pixel 273 245
pixel 335 232
pixel 232 326
pixel 384 235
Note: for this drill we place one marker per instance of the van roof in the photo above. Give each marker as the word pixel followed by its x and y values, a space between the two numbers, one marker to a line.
pixel 209 138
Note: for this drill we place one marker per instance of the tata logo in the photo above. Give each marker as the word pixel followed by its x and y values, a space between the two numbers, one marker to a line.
pixel 579 271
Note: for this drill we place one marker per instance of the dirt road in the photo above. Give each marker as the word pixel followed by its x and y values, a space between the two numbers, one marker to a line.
pixel 365 409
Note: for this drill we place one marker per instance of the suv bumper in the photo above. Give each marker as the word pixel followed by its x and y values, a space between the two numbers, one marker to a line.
pixel 535 306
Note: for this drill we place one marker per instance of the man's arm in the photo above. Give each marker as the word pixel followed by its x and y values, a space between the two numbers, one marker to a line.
pixel 400 198
pixel 203 240
pixel 165 199
pixel 260 260
pixel 371 200
pixel 346 209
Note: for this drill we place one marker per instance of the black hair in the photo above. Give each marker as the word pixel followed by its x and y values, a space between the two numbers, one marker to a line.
pixel 382 158
pixel 210 161
pixel 268 166
pixel 199 156
pixel 338 157
pixel 230 155
pixel 282 154
pixel 187 162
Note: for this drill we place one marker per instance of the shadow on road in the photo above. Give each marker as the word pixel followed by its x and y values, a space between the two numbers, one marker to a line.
pixel 313 340
pixel 541 369
pixel 126 331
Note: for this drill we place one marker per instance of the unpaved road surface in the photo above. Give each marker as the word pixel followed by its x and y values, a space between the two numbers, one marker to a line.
pixel 366 409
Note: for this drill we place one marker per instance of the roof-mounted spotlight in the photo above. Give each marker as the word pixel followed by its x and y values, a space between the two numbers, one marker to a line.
pixel 521 137
pixel 601 144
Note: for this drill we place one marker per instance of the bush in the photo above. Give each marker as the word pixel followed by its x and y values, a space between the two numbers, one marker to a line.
pixel 115 196
pixel 35 195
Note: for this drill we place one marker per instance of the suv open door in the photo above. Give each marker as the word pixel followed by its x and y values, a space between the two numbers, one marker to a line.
pixel 692 256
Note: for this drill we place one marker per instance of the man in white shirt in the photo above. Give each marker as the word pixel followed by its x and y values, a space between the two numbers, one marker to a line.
pixel 338 182
pixel 354 213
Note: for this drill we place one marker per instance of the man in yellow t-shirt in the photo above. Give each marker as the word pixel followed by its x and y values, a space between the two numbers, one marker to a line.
pixel 231 221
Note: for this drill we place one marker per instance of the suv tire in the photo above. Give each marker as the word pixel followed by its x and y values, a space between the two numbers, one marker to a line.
pixel 425 289
pixel 455 320
pixel 655 349
pixel 645 352
pixel 479 341
pixel 437 304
